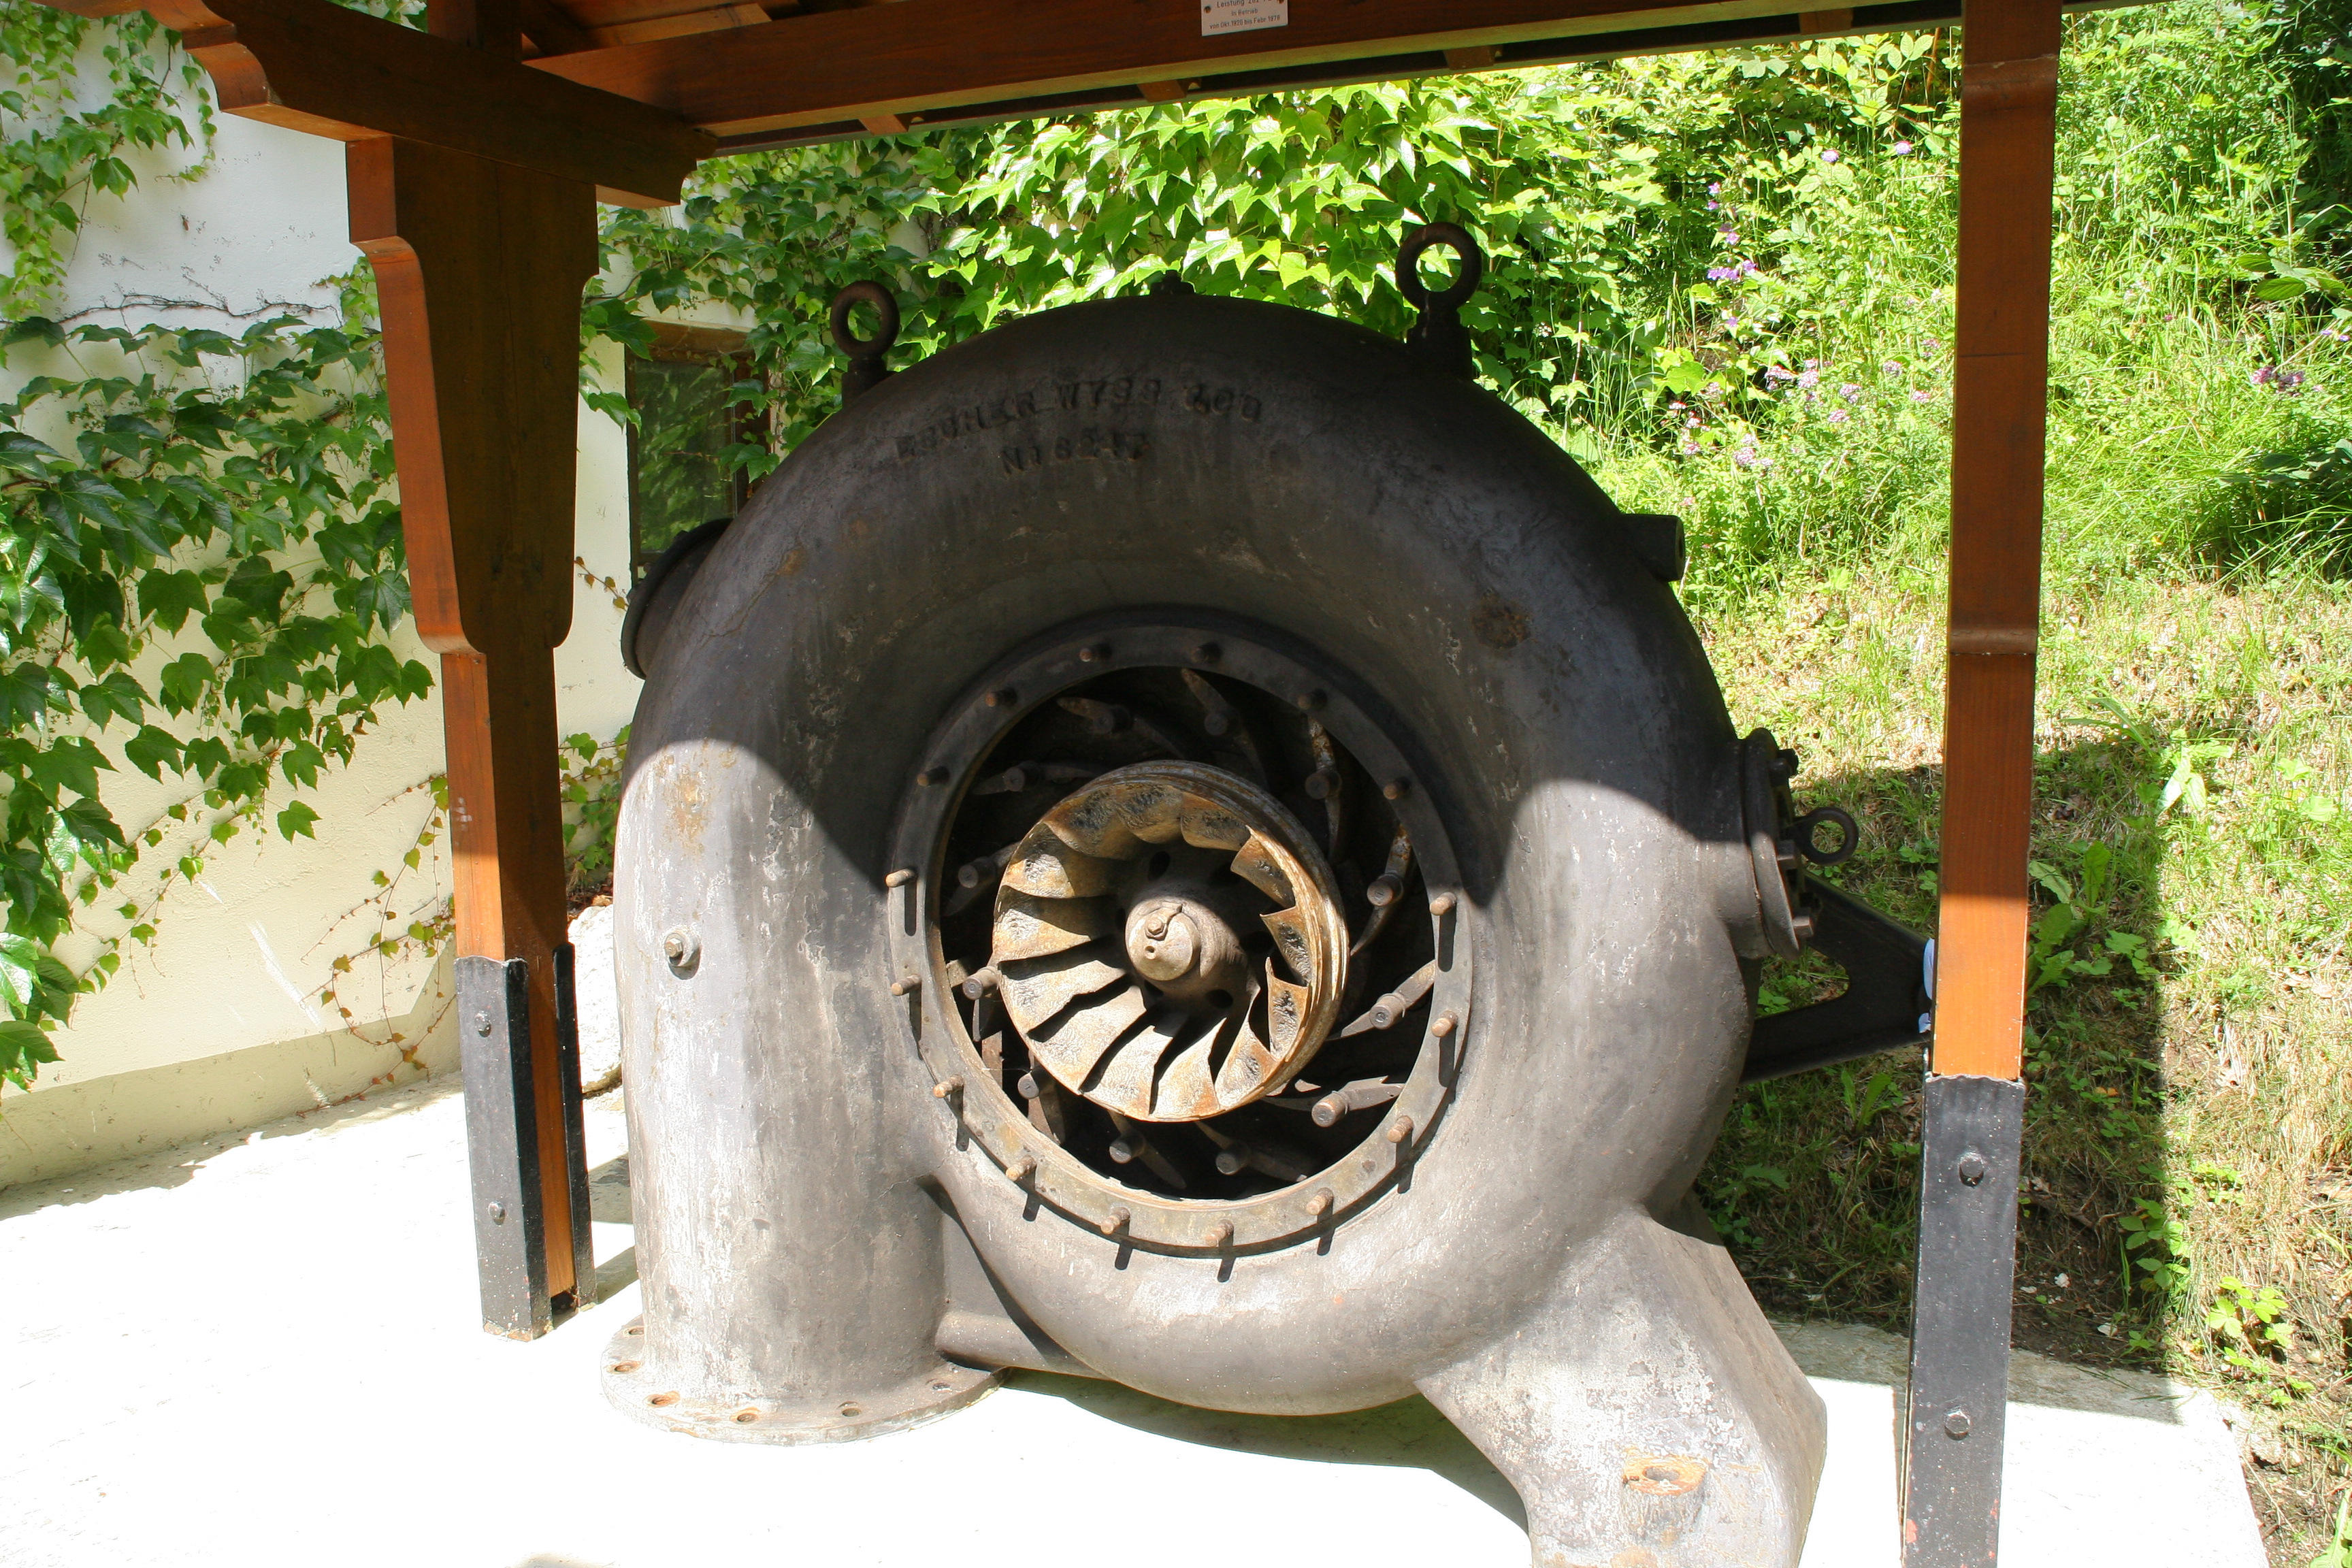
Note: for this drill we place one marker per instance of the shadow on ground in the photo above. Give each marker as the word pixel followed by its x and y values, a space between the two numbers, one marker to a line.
pixel 1410 1434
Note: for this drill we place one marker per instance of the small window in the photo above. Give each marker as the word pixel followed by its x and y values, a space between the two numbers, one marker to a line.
pixel 683 389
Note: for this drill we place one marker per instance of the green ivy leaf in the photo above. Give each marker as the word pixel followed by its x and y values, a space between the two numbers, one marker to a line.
pixel 169 598
pixel 296 819
pixel 23 1047
pixel 20 966
pixel 115 695
pixel 152 751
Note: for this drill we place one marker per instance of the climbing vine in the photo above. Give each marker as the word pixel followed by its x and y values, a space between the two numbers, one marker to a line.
pixel 200 562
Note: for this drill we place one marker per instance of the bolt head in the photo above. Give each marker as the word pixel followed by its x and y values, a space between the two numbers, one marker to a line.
pixel 1972 1168
pixel 1956 1424
pixel 1442 905
pixel 497 1214
pixel 1396 789
pixel 681 948
pixel 1311 702
pixel 1229 1162
pixel 1093 653
pixel 481 1022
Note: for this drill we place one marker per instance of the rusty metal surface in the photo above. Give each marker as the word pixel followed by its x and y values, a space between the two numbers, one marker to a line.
pixel 1176 1027
pixel 1059 921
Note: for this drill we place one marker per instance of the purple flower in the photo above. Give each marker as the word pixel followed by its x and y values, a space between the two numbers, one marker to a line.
pixel 1901 149
pixel 1728 236
pixel 1677 406
pixel 1688 448
pixel 1932 345
pixel 2263 376
pixel 1774 372
pixel 1923 397
pixel 1721 274
pixel 1829 155
pixel 1838 415
pixel 1745 457
pixel 1715 187
pixel 1850 390
pixel 1890 368
pixel 1693 422
pixel 1809 377
pixel 1712 389
pixel 1812 364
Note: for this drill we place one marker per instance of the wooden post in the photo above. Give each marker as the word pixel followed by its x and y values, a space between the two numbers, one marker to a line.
pixel 1975 1102
pixel 479 267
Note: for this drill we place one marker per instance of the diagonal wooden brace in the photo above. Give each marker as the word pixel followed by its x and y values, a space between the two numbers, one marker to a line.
pixel 479 267
pixel 1951 1503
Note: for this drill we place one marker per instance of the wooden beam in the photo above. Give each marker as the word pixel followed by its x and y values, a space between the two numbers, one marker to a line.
pixel 928 54
pixel 1974 1105
pixel 2000 408
pixel 479 268
pixel 314 66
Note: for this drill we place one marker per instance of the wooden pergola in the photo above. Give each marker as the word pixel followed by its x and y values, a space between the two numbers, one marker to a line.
pixel 478 152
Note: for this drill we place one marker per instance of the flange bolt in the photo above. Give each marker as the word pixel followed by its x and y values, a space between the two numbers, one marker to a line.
pixel 898 878
pixel 1973 1168
pixel 1021 1169
pixel 1093 653
pixel 1400 1130
pixel 1320 1203
pixel 1442 905
pixel 907 986
pixel 1956 1424
pixel 1220 1233
pixel 1115 1221
pixel 1383 890
pixel 1396 789
pixel 682 949
pixel 945 1088
pixel 1444 1024
pixel 1230 1161
pixel 1322 784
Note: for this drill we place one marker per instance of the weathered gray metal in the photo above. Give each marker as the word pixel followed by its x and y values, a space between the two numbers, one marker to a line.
pixel 842 1201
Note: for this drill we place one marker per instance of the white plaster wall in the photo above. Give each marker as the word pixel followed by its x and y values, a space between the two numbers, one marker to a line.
pixel 230 985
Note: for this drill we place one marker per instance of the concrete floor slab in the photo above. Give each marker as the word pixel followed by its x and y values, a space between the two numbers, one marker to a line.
pixel 262 1353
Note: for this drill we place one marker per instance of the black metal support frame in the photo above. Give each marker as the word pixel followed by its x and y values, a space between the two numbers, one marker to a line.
pixel 1883 1007
pixel 503 1142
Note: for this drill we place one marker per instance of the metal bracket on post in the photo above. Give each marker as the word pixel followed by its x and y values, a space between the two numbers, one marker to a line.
pixel 502 1146
pixel 1959 1321
pixel 510 1239
pixel 583 1293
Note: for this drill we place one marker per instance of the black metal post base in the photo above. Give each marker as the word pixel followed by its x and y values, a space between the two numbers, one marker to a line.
pixel 502 1144
pixel 1959 1322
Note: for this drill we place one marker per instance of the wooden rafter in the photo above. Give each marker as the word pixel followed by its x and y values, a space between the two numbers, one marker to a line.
pixel 313 66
